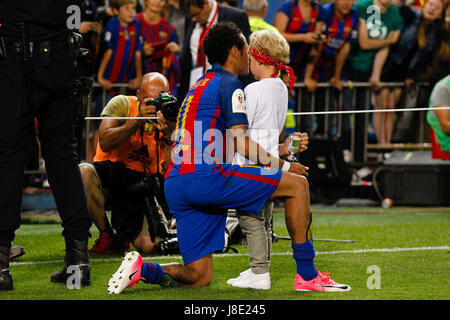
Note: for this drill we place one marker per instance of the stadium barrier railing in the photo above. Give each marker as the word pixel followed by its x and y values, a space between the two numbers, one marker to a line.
pixel 330 104
pixel 346 99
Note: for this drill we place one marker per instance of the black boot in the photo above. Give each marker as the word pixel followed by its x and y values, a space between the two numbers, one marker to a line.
pixel 76 265
pixel 6 282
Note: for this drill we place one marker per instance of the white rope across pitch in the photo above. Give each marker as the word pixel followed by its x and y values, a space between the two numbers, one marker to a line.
pixel 366 111
pixel 300 113
pixel 121 118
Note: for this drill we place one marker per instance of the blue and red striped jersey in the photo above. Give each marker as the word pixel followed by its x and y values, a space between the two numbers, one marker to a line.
pixel 296 24
pixel 213 104
pixel 338 32
pixel 159 35
pixel 124 42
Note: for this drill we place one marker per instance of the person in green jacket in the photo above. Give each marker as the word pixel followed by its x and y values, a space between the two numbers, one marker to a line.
pixel 256 11
pixel 439 120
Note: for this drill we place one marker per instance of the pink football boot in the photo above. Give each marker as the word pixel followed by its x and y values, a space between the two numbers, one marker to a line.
pixel 322 282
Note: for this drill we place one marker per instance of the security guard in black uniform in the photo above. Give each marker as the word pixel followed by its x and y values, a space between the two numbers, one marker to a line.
pixel 37 72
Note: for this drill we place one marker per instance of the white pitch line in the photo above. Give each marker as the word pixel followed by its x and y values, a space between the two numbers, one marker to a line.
pixel 222 255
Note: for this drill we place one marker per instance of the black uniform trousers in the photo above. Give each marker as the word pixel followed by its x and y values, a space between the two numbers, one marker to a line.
pixel 40 89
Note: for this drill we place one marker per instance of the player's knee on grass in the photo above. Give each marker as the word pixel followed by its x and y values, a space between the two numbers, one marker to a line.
pixel 202 281
pixel 201 278
pixel 201 271
pixel 193 274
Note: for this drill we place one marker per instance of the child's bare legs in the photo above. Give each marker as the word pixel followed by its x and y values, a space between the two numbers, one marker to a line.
pixel 394 98
pixel 389 117
pixel 378 117
pixel 385 121
pixel 378 63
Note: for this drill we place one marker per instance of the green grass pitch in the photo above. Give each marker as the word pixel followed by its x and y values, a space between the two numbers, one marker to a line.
pixel 409 248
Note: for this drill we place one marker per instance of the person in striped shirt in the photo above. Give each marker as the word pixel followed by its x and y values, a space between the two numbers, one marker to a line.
pixel 122 61
pixel 161 46
pixel 300 22
pixel 327 60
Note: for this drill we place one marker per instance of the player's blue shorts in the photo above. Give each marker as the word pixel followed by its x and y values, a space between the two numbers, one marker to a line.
pixel 199 202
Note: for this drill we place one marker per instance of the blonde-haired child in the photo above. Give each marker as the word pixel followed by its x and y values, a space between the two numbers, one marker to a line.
pixel 266 106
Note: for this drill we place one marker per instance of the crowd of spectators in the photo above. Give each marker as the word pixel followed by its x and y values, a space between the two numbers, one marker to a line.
pixel 331 41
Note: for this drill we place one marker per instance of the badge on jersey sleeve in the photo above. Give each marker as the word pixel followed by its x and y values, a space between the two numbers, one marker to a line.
pixel 238 102
pixel 107 36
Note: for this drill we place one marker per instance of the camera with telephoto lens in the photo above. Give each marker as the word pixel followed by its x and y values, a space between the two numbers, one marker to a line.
pixel 167 104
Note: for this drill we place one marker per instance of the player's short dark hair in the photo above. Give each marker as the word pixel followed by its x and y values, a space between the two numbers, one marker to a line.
pixel 185 5
pixel 220 39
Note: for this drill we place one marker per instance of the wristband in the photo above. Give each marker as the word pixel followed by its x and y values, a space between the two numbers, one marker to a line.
pixel 286 166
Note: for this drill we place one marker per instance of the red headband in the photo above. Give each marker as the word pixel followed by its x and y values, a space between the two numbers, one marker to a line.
pixel 263 57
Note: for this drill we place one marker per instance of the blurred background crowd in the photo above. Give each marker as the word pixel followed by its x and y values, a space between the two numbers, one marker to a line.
pixel 346 54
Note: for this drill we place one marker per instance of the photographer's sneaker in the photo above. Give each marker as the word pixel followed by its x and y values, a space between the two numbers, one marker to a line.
pixel 103 244
pixel 248 279
pixel 16 251
pixel 322 282
pixel 128 274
